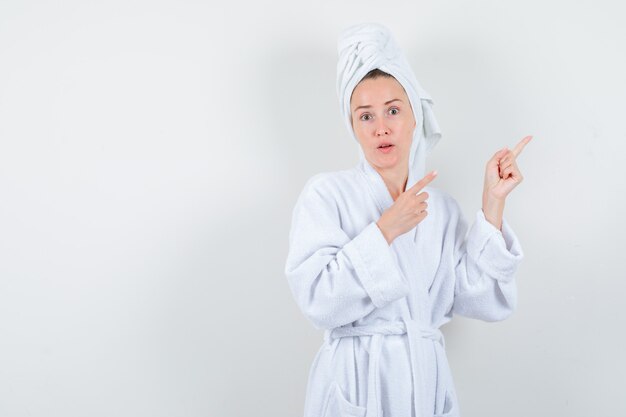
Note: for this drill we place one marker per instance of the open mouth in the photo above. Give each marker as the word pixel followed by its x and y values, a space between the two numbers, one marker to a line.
pixel 386 147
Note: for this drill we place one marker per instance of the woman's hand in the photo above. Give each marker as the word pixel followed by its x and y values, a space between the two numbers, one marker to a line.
pixel 502 173
pixel 501 176
pixel 407 211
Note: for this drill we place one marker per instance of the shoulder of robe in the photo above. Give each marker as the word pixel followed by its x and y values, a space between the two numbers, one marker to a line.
pixel 329 181
pixel 322 191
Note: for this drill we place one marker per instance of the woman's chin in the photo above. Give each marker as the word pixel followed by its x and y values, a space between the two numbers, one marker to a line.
pixel 385 161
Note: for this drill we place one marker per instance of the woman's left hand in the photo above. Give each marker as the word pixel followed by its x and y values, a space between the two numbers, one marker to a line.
pixel 502 173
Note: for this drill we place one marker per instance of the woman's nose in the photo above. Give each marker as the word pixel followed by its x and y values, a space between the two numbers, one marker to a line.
pixel 381 128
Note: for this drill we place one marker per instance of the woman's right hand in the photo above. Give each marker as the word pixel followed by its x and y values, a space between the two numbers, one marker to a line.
pixel 407 211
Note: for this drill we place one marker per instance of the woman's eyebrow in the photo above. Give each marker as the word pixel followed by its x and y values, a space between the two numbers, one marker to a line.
pixel 387 102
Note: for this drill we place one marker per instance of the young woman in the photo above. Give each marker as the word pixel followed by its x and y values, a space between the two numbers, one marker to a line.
pixel 380 259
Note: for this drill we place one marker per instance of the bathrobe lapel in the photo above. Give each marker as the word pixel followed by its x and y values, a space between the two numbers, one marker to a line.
pixel 404 245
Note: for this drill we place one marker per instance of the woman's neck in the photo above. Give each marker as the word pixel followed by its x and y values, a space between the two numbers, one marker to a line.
pixel 395 182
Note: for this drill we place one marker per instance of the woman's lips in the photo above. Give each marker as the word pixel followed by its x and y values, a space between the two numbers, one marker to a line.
pixel 386 149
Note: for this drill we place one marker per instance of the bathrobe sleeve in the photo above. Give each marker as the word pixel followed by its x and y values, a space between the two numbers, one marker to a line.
pixel 486 261
pixel 336 279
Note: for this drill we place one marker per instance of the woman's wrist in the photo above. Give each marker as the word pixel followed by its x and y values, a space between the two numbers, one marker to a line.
pixel 388 237
pixel 493 209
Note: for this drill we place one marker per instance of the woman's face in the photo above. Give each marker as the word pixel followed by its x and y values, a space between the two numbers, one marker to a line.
pixel 382 114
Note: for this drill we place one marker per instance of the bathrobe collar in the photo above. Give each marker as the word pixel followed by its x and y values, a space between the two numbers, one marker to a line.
pixel 379 190
pixel 380 193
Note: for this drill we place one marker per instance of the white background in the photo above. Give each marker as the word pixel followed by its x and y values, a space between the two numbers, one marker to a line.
pixel 151 153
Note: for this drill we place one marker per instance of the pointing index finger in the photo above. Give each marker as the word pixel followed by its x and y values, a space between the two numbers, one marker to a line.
pixel 423 182
pixel 518 148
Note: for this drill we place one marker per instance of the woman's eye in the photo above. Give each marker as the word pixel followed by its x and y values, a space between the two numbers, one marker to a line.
pixel 365 115
pixel 395 109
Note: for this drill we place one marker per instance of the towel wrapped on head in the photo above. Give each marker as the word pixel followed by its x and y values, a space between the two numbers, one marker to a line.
pixel 366 46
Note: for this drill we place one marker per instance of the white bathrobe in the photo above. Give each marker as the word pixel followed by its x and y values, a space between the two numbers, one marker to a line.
pixel 380 305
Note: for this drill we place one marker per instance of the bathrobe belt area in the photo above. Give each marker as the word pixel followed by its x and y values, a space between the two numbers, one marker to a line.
pixel 417 335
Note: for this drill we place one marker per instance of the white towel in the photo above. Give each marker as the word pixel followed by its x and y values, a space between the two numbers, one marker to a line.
pixel 366 46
